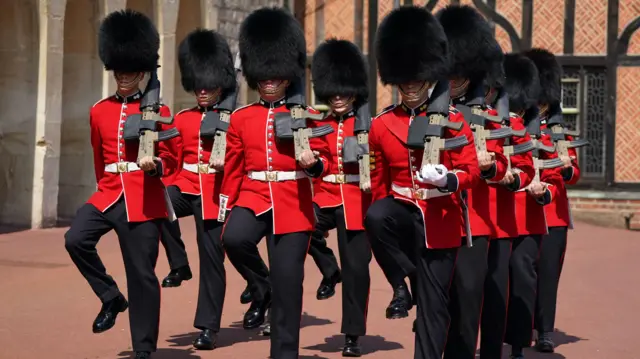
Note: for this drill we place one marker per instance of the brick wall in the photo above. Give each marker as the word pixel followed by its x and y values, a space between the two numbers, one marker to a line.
pixel 606 211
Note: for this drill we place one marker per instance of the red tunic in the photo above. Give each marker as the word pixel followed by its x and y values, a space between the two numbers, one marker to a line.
pixel 531 218
pixel 349 195
pixel 396 164
pixel 528 214
pixel 252 146
pixel 144 195
pixel 558 211
pixel 196 151
pixel 480 196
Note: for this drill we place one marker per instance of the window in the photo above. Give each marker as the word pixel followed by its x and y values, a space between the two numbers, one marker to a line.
pixel 583 107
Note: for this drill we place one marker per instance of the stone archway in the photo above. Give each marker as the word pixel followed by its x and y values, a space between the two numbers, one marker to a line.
pixel 19 49
pixel 81 88
pixel 189 18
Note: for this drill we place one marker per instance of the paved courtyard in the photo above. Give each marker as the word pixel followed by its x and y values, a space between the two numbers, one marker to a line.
pixel 47 307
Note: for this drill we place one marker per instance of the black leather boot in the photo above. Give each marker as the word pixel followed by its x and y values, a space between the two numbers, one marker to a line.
pixel 351 347
pixel 106 319
pixel 176 276
pixel 206 340
pixel 400 303
pixel 327 288
pixel 544 344
pixel 255 316
pixel 246 297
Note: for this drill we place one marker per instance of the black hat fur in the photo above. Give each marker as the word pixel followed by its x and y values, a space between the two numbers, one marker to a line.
pixel 272 46
pixel 523 84
pixel 473 50
pixel 411 46
pixel 339 68
pixel 550 73
pixel 206 62
pixel 128 42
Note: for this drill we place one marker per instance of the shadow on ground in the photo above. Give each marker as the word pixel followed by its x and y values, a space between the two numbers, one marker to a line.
pixel 166 353
pixel 235 333
pixel 559 338
pixel 370 344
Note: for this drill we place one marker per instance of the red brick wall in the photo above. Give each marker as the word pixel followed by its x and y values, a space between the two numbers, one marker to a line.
pixel 607 212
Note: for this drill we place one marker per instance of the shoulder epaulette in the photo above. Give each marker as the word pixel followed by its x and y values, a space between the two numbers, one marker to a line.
pixel 243 107
pixel 102 100
pixel 453 109
pixel 385 110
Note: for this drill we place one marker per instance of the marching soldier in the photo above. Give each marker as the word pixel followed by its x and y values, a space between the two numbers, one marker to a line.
pixel 554 243
pixel 474 53
pixel 266 185
pixel 531 227
pixel 417 204
pixel 339 74
pixel 514 212
pixel 130 196
pixel 206 68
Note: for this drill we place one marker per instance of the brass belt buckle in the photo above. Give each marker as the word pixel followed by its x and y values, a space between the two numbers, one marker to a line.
pixel 203 168
pixel 420 194
pixel 340 179
pixel 271 176
pixel 122 167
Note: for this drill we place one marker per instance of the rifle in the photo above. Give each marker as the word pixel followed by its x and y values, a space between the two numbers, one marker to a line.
pixel 356 148
pixel 142 126
pixel 476 117
pixel 216 124
pixel 556 129
pixel 293 124
pixel 508 149
pixel 533 127
pixel 427 132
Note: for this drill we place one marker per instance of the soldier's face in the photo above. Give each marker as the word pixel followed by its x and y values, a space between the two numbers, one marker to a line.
pixel 128 81
pixel 414 91
pixel 207 98
pixel 272 89
pixel 341 104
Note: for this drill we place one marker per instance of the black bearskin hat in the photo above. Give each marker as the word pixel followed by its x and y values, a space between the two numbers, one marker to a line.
pixel 550 73
pixel 272 46
pixel 206 62
pixel 128 42
pixel 473 50
pixel 411 46
pixel 523 83
pixel 339 68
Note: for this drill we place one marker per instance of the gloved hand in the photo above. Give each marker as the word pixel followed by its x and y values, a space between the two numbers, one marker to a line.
pixel 433 174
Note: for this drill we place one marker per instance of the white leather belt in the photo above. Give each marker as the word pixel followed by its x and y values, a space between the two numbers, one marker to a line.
pixel 198 168
pixel 341 178
pixel 121 167
pixel 276 176
pixel 421 193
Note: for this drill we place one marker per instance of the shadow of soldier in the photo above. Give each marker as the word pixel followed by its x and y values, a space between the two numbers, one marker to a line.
pixel 559 338
pixel 235 333
pixel 369 344
pixel 165 353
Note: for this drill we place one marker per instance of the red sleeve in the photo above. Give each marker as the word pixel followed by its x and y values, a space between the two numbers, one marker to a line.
pixel 321 145
pixel 575 175
pixel 96 144
pixel 168 150
pixel 380 179
pixel 234 165
pixel 464 159
pixel 523 161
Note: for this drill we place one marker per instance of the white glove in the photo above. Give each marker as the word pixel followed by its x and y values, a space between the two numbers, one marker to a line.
pixel 433 174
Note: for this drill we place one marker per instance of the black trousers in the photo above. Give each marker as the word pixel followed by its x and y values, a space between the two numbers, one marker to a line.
pixel 522 290
pixel 213 282
pixel 139 246
pixel 287 253
pixel 392 224
pixel 174 247
pixel 318 249
pixel 465 306
pixel 496 298
pixel 552 250
pixel 355 256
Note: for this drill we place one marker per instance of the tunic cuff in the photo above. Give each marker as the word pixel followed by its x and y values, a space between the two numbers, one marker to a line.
pixel 567 173
pixel 546 199
pixel 452 183
pixel 490 173
pixel 158 171
pixel 316 170
pixel 515 185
